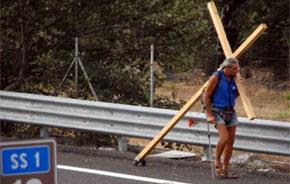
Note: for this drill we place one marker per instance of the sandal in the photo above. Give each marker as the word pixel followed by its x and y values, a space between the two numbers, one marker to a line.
pixel 219 172
pixel 231 175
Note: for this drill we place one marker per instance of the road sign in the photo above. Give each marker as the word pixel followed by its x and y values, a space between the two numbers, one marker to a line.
pixel 28 162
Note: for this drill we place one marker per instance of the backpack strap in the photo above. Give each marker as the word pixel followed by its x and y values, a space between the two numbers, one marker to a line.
pixel 217 73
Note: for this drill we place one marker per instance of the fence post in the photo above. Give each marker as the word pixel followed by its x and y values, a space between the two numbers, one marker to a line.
pixel 122 144
pixel 151 75
pixel 76 63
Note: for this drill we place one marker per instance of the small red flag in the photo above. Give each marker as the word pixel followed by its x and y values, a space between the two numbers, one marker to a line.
pixel 190 122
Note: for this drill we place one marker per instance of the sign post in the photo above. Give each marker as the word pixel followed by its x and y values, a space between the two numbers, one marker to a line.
pixel 28 162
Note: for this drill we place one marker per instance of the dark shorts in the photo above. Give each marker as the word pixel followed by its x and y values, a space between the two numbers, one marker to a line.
pixel 232 121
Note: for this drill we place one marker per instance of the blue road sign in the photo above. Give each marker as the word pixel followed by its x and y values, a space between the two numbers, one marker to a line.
pixel 25 160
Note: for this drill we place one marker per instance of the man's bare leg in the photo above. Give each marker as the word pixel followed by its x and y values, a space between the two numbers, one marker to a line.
pixel 223 139
pixel 229 146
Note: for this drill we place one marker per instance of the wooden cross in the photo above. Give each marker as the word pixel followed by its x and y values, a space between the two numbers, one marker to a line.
pixel 228 53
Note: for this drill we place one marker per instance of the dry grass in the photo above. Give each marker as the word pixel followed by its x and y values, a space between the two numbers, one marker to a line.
pixel 267 103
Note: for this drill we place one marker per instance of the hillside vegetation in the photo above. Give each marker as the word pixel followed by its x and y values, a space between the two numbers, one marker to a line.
pixel 37 45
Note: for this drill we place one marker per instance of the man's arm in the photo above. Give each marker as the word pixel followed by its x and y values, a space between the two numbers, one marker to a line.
pixel 213 80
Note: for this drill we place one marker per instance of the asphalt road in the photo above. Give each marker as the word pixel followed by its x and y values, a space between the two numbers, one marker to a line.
pixel 112 167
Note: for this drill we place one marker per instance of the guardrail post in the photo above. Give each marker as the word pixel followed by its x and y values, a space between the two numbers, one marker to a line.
pixel 122 144
pixel 43 132
pixel 206 152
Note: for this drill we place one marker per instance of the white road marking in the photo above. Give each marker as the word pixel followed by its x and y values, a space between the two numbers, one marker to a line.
pixel 117 175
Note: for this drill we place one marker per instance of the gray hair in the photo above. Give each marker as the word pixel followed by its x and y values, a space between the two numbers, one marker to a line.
pixel 228 62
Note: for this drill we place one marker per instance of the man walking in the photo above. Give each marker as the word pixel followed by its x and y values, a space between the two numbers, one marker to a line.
pixel 219 99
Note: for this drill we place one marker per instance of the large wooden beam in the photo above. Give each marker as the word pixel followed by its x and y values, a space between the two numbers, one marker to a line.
pixel 244 98
pixel 171 123
pixel 245 45
pixel 219 29
pixel 250 40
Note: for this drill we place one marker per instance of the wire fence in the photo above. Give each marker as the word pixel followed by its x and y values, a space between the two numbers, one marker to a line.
pixel 270 99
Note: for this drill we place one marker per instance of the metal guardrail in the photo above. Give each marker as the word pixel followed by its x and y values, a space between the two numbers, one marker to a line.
pixel 259 135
